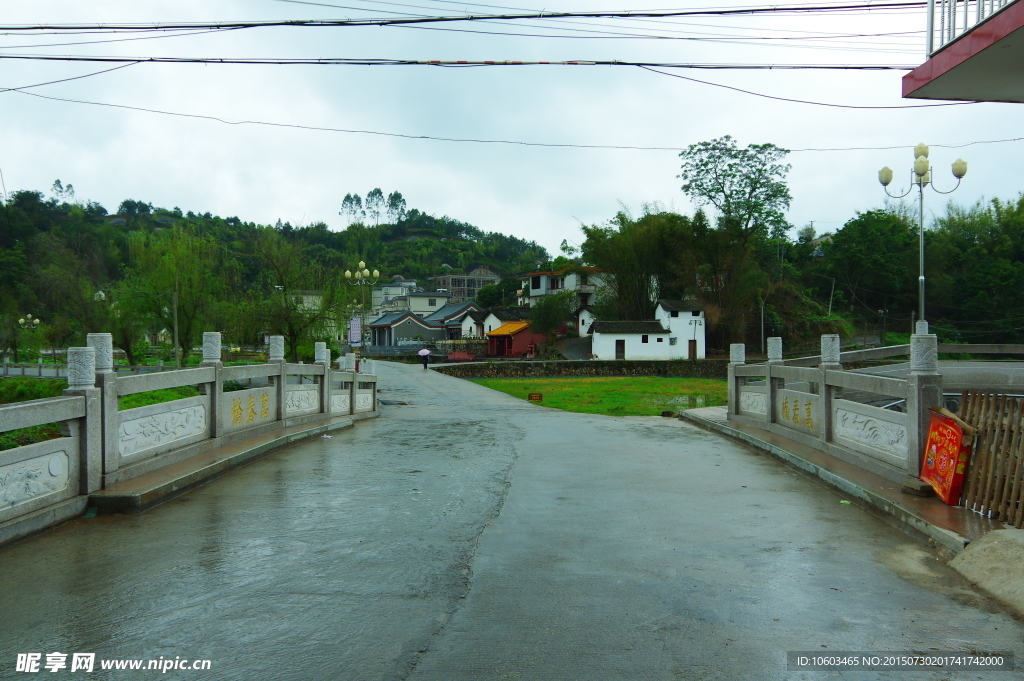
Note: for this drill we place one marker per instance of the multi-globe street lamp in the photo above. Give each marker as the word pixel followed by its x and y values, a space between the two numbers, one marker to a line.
pixel 921 176
pixel 362 278
pixel 29 322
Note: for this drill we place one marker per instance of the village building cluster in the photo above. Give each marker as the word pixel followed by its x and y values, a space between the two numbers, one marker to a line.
pixel 408 316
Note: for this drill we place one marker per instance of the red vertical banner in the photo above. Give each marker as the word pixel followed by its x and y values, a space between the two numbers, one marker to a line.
pixel 946 453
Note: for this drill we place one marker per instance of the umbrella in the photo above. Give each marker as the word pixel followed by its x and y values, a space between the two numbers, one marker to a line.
pixel 423 353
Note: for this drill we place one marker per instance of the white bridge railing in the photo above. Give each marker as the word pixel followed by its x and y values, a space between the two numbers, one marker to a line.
pixel 949 19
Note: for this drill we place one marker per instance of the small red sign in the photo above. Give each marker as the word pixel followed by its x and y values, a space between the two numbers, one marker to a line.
pixel 946 453
pixel 535 397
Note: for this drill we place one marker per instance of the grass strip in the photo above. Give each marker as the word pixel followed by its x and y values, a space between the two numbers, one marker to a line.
pixel 616 395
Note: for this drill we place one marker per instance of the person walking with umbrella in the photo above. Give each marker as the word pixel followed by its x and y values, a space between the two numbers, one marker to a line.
pixel 424 357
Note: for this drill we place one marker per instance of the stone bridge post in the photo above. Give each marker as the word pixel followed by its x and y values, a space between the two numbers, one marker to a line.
pixel 106 381
pixel 82 382
pixel 774 359
pixel 322 356
pixel 737 357
pixel 277 357
pixel 829 362
pixel 212 358
pixel 924 389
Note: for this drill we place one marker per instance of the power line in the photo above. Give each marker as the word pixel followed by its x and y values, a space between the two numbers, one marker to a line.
pixel 121 40
pixel 803 101
pixel 379 133
pixel 314 23
pixel 343 61
pixel 64 80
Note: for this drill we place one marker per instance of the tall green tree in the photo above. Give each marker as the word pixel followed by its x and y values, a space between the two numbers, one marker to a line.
pixel 299 298
pixel 375 204
pixel 747 186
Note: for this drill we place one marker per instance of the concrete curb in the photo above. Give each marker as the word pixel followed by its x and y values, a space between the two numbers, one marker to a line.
pixel 901 516
pixel 138 494
pixel 33 523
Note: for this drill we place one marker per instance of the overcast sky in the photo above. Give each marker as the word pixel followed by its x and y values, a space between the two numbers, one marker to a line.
pixel 263 174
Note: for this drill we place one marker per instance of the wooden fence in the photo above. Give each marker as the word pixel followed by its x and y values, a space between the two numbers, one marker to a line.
pixel 995 476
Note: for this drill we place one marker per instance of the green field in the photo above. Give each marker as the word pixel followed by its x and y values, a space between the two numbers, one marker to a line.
pixel 616 395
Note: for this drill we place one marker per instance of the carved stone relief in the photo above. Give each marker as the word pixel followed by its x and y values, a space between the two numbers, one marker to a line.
pixel 340 403
pixel 211 346
pixel 301 400
pixel 81 367
pixel 276 348
pixel 924 353
pixel 103 344
pixel 890 438
pixel 320 353
pixel 364 401
pixel 25 480
pixel 754 403
pixel 139 434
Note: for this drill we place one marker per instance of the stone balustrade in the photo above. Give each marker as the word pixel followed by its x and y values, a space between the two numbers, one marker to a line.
pixel 807 404
pixel 104 445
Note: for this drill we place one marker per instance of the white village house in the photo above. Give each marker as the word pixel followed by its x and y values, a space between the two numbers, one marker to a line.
pixel 677 332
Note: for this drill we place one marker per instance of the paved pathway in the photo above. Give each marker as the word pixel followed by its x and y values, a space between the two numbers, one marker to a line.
pixel 470 535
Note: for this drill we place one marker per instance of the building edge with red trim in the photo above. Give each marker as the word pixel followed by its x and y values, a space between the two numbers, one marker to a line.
pixel 983 63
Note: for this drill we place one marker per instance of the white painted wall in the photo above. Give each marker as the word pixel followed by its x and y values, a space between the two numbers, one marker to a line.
pixel 604 346
pixel 468 327
pixel 585 318
pixel 685 327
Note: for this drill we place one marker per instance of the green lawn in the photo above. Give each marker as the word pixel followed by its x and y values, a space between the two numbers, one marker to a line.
pixel 616 395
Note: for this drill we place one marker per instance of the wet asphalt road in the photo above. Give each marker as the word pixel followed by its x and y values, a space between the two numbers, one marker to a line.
pixel 471 535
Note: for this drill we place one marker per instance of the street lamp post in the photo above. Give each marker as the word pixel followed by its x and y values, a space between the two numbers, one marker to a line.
pixel 362 278
pixel 28 323
pixel 921 176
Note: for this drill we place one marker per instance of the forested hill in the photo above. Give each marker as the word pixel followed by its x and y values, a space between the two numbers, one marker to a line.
pixel 39 233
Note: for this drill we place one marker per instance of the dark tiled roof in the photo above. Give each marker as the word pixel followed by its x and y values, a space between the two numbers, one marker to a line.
pixel 394 318
pixel 386 319
pixel 430 294
pixel 449 310
pixel 511 314
pixel 679 305
pixel 478 315
pixel 628 327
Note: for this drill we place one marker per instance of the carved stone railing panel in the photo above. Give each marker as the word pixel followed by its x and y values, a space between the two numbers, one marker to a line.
pixel 341 403
pixel 364 402
pixel 879 433
pixel 37 475
pixel 301 400
pixel 154 429
pixel 754 402
pixel 247 408
pixel 798 410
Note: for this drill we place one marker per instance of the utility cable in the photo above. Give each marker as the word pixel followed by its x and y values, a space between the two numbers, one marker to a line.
pixel 343 61
pixel 803 101
pixel 64 80
pixel 313 23
pixel 296 126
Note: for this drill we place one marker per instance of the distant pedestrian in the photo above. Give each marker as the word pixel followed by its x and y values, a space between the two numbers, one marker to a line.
pixel 424 357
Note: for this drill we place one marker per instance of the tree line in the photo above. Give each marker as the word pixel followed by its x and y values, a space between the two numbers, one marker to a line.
pixel 80 270
pixel 742 266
